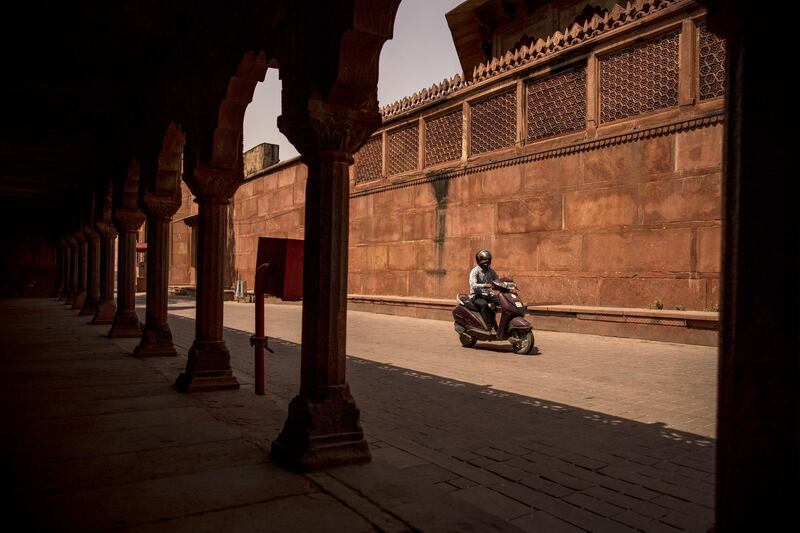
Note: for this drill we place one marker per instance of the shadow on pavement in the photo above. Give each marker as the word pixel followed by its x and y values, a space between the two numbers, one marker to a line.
pixel 523 458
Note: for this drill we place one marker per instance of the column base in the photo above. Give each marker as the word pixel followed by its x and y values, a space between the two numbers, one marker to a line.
pixel 77 302
pixel 323 434
pixel 105 313
pixel 156 342
pixel 90 305
pixel 208 369
pixel 125 326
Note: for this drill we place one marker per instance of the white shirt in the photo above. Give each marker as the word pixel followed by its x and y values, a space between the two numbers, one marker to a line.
pixel 479 277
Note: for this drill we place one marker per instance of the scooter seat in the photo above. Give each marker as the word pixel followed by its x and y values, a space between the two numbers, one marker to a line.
pixel 466 302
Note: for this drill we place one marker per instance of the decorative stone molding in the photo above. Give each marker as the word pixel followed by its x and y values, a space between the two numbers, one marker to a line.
pixel 573 35
pixel 450 173
pixel 210 183
pixel 161 205
pixel 329 127
pixel 128 220
pixel 431 94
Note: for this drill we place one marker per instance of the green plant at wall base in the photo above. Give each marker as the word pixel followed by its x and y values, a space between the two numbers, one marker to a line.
pixel 680 307
pixel 712 308
pixel 656 304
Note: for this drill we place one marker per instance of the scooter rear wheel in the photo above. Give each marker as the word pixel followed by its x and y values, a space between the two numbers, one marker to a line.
pixel 467 341
pixel 524 344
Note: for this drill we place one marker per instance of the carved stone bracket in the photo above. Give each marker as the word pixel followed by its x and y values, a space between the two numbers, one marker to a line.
pixel 128 220
pixel 212 183
pixel 324 127
pixel 160 205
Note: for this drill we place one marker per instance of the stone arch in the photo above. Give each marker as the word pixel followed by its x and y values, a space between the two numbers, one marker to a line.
pixel 227 140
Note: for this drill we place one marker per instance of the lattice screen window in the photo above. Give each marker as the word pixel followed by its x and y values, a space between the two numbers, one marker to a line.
pixel 493 123
pixel 443 138
pixel 402 149
pixel 369 160
pixel 639 79
pixel 712 64
pixel 557 104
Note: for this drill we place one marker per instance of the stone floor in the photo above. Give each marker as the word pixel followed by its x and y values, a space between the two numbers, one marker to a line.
pixel 590 434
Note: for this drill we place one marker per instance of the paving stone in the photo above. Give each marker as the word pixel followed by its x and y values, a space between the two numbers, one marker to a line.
pixel 507 471
pixel 594 505
pixel 397 457
pixel 493 502
pixel 462 483
pixel 686 522
pixel 171 497
pixel 634 520
pixel 317 513
pixel 539 522
pixel 117 469
pixel 584 519
pixel 560 415
pixel 523 494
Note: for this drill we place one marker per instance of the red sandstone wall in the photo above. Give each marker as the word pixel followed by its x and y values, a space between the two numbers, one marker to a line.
pixel 619 226
pixel 270 205
pixel 181 270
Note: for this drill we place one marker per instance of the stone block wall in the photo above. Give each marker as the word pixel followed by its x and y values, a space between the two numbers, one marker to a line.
pixel 266 205
pixel 183 241
pixel 617 226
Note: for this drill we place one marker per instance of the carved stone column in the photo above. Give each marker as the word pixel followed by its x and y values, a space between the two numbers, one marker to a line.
pixel 106 309
pixel 92 272
pixel 156 335
pixel 73 270
pixel 126 322
pixel 80 268
pixel 323 427
pixel 60 277
pixel 209 366
pixel 758 421
pixel 66 268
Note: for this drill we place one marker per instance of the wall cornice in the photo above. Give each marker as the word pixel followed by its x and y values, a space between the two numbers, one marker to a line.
pixel 578 147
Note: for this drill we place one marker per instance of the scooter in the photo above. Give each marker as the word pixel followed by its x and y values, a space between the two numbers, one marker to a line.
pixel 513 327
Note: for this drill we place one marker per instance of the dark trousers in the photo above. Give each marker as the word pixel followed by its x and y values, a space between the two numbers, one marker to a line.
pixel 487 305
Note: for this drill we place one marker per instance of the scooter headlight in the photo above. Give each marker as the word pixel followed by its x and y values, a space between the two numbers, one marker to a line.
pixel 511 285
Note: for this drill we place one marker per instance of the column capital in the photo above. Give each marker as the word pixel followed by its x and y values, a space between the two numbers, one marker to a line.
pixel 160 205
pixel 91 234
pixel 128 220
pixel 106 229
pixel 214 184
pixel 321 129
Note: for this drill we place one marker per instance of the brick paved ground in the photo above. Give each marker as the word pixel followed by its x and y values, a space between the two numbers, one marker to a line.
pixel 463 440
pixel 593 433
pixel 94 439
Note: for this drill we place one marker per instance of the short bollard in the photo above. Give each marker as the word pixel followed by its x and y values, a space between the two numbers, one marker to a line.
pixel 259 340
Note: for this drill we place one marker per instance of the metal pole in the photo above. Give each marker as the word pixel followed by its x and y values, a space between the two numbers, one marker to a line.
pixel 259 340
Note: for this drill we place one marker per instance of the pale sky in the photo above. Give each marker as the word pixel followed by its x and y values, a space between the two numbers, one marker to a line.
pixel 420 53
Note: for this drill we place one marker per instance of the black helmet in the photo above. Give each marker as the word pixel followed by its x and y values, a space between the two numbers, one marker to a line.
pixel 484 256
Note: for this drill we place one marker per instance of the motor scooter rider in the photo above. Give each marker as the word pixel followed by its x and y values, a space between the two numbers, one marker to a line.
pixel 480 282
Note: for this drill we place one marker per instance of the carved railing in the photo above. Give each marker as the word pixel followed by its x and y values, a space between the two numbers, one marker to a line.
pixel 644 58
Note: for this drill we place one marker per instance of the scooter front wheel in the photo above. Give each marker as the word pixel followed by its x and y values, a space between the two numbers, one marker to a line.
pixel 523 345
pixel 467 341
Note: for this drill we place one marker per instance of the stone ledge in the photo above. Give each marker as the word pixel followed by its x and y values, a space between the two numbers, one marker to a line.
pixel 687 327
pixel 628 312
